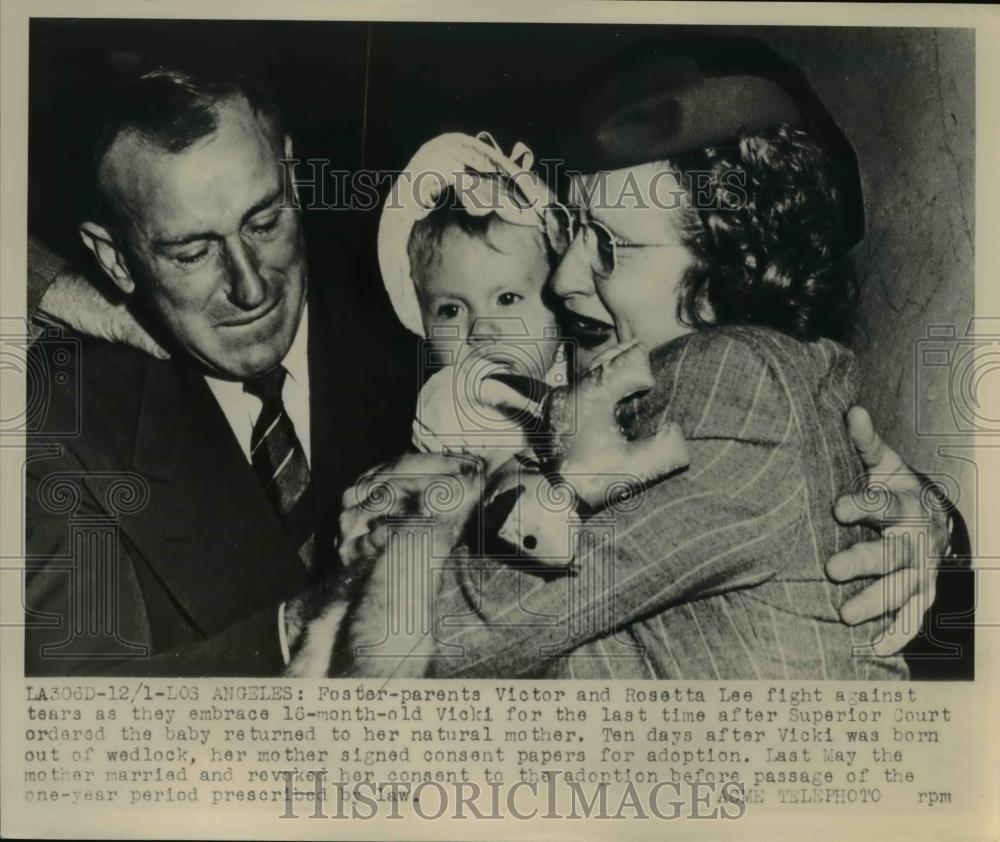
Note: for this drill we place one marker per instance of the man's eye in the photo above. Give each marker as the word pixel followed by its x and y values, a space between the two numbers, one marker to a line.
pixel 266 227
pixel 447 311
pixel 191 259
pixel 506 299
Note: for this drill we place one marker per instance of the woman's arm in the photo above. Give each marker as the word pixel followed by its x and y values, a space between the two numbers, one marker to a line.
pixel 57 291
pixel 44 267
pixel 722 524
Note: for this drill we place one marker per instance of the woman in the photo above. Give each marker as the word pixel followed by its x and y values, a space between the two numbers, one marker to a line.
pixel 717 571
pixel 726 260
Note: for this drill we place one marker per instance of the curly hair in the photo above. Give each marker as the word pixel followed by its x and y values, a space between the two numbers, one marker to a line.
pixel 766 228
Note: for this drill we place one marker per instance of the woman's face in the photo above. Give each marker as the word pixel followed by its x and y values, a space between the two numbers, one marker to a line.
pixel 642 207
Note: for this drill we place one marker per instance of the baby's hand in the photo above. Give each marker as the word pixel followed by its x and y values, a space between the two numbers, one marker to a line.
pixel 467 409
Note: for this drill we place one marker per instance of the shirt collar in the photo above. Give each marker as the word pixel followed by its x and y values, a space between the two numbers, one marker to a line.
pixel 296 361
pixel 241 408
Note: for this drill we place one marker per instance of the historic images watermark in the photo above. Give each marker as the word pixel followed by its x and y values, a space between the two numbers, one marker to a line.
pixel 551 794
pixel 317 184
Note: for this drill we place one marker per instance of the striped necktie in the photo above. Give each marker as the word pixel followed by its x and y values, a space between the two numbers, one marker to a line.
pixel 280 463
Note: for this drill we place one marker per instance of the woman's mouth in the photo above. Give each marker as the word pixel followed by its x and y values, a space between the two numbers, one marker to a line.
pixel 589 332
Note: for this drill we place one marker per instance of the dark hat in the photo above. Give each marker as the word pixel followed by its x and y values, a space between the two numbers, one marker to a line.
pixel 677 94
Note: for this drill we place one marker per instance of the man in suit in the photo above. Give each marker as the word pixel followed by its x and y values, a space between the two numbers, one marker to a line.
pixel 206 466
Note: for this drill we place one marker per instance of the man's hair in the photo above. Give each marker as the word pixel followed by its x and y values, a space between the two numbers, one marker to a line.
pixel 424 245
pixel 170 109
pixel 774 252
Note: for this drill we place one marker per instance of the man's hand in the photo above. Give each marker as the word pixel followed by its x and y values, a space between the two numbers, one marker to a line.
pixel 443 487
pixel 592 451
pixel 72 299
pixel 895 502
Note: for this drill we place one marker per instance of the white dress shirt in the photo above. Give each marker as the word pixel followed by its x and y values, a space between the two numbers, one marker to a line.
pixel 242 410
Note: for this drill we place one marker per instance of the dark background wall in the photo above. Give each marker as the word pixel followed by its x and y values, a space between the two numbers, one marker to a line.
pixel 368 95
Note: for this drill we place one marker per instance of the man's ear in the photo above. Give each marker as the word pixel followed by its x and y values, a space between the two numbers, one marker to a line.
pixel 99 240
pixel 290 171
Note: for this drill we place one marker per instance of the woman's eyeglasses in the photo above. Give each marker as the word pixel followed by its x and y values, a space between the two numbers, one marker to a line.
pixel 563 224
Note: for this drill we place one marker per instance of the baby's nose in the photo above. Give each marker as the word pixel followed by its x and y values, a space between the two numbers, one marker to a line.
pixel 491 328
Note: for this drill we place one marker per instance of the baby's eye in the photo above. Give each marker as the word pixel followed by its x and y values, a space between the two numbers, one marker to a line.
pixel 506 299
pixel 447 311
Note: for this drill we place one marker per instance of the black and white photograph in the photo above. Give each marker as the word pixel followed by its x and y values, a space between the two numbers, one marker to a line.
pixel 510 281
pixel 369 363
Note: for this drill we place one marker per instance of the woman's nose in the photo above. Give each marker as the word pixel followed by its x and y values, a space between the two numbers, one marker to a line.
pixel 247 288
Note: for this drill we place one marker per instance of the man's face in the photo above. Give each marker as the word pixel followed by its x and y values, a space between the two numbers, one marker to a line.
pixel 206 244
pixel 638 300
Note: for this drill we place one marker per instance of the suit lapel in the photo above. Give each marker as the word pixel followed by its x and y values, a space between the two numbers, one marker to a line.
pixel 327 348
pixel 208 532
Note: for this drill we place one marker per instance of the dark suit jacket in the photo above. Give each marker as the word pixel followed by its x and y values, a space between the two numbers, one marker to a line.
pixel 151 548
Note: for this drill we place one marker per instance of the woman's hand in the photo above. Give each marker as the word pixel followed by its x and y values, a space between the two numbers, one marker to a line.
pixel 907 576
pixel 75 301
pixel 592 452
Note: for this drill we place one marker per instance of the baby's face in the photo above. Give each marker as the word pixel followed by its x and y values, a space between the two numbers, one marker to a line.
pixel 489 296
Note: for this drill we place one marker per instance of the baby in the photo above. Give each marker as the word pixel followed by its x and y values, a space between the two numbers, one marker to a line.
pixel 480 283
pixel 466 268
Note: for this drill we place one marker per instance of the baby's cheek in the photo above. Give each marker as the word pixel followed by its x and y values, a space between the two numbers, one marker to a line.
pixel 539 321
pixel 452 348
pixel 442 332
pixel 439 352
